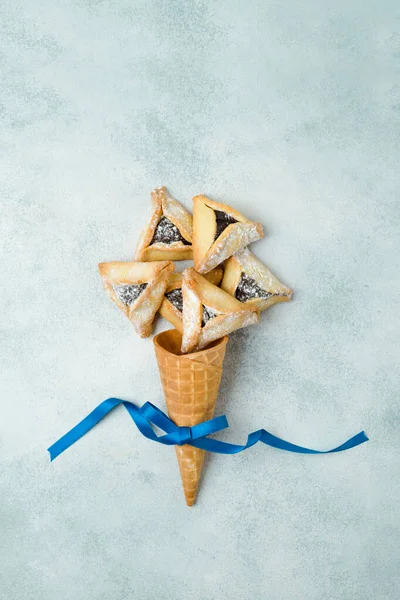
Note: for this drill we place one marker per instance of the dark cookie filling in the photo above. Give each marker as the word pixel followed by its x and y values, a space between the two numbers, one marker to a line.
pixel 208 314
pixel 127 294
pixel 167 233
pixel 223 220
pixel 175 297
pixel 247 288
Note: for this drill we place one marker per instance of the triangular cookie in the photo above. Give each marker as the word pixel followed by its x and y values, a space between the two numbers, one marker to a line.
pixel 252 283
pixel 137 288
pixel 209 313
pixel 168 235
pixel 218 232
pixel 172 305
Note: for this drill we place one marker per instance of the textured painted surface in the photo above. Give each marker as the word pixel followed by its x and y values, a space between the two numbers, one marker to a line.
pixel 291 112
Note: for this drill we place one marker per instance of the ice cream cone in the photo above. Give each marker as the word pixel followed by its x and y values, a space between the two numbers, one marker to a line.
pixel 190 383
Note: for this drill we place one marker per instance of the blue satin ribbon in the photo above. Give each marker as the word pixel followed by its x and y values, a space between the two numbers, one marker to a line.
pixel 149 416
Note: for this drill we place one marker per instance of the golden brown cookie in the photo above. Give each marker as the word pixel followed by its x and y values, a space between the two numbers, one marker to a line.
pixel 251 282
pixel 168 234
pixel 218 232
pixel 172 305
pixel 137 288
pixel 209 313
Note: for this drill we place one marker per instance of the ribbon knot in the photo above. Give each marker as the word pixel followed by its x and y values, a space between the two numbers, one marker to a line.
pixel 149 416
pixel 175 434
pixel 185 434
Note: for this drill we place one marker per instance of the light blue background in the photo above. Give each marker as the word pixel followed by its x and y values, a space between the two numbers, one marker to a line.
pixel 290 111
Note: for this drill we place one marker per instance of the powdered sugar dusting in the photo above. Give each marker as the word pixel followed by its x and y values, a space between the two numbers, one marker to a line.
pixel 225 325
pixel 239 236
pixel 142 315
pixel 190 325
pixel 258 272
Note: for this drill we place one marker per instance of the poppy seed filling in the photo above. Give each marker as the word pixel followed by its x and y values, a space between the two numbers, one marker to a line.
pixel 208 314
pixel 223 220
pixel 175 297
pixel 127 294
pixel 167 233
pixel 247 288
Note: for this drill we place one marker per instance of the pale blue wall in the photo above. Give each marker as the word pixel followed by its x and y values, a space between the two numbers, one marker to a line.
pixel 290 111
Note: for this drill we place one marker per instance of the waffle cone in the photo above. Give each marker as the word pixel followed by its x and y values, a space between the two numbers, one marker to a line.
pixel 190 383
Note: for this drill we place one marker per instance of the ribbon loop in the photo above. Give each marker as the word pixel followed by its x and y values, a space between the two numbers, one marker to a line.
pixel 149 416
pixel 156 416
